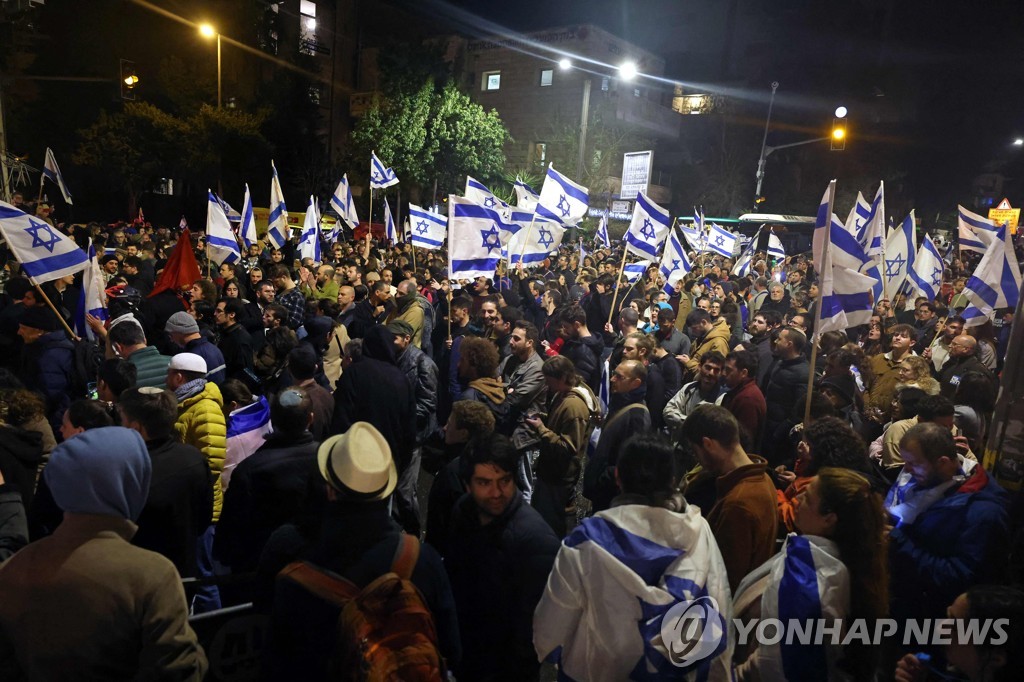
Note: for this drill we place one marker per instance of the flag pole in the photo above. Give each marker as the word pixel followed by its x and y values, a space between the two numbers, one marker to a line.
pixel 817 312
pixel 449 308
pixel 42 181
pixel 59 316
pixel 615 295
pixel 526 241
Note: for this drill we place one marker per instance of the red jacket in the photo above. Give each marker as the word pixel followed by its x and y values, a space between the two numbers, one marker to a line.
pixel 747 404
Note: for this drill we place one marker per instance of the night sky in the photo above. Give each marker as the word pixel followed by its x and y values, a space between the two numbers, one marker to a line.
pixel 934 88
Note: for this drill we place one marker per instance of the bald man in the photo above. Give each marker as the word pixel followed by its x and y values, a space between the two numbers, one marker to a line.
pixel 963 358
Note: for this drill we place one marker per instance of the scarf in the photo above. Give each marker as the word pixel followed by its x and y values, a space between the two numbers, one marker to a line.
pixel 190 388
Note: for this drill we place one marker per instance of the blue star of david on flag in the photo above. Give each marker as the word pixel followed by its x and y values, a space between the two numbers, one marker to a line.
pixel 489 202
pixel 647 229
pixel 545 239
pixel 38 227
pixel 893 266
pixel 421 227
pixel 563 206
pixel 491 240
pixel 720 240
pixel 937 277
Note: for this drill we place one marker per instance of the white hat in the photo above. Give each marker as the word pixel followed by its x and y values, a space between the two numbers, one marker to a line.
pixel 188 362
pixel 358 463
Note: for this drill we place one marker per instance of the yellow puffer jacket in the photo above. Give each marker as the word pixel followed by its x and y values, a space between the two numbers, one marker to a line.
pixel 201 424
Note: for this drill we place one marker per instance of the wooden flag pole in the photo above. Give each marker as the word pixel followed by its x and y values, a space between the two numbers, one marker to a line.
pixel 526 241
pixel 618 279
pixel 817 312
pixel 369 218
pixel 60 317
pixel 449 309
pixel 810 374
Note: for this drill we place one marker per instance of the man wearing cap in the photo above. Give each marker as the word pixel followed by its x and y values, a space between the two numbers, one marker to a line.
pixel 201 424
pixel 269 487
pixel 84 603
pixel 47 360
pixel 183 331
pixel 126 339
pixel 358 540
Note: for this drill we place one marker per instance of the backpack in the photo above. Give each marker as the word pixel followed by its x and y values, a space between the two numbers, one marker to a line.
pixel 385 631
pixel 87 357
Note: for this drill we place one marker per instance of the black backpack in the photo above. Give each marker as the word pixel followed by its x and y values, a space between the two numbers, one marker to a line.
pixel 87 358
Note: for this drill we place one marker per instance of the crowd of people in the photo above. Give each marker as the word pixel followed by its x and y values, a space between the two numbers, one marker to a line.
pixel 591 452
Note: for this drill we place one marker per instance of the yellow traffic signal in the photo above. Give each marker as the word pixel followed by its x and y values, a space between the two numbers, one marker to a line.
pixel 838 134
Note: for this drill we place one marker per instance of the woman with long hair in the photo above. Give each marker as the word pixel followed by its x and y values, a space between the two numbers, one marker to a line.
pixel 914 370
pixel 841 542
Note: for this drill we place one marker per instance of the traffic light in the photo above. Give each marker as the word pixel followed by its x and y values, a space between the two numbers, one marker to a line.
pixel 838 134
pixel 128 79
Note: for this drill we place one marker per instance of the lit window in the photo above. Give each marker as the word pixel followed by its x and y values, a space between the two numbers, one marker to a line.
pixel 492 80
pixel 539 152
pixel 604 84
pixel 308 8
pixel 546 77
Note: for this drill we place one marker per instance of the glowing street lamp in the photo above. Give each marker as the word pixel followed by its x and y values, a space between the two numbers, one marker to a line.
pixel 208 31
pixel 565 63
pixel 627 71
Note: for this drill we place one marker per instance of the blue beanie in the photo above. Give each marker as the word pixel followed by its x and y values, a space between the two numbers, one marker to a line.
pixel 101 471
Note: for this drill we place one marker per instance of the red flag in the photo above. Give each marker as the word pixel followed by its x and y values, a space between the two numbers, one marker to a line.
pixel 181 269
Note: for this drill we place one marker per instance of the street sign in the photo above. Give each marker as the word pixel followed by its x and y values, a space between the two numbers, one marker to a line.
pixel 636 173
pixel 1004 213
pixel 622 207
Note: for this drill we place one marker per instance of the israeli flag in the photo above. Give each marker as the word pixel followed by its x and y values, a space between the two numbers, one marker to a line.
pixel 926 275
pixel 900 249
pixel 232 215
pixel 45 253
pixel 674 263
pixel 474 239
pixel 562 200
pixel 92 299
pixel 721 241
pixel 247 427
pixel 248 227
pixel 390 231
pixel 844 298
pixel 309 242
pixel 976 233
pixel 526 198
pixel 478 193
pixel 182 224
pixel 219 237
pixel 52 171
pixel 648 229
pixel 532 246
pixel 775 249
pixel 871 232
pixel 380 175
pixel 427 229
pixel 602 232
pixel 342 203
pixel 858 215
pixel 634 271
pixel 277 221
pixel 694 238
pixel 995 282
pixel 743 263
pixel 698 220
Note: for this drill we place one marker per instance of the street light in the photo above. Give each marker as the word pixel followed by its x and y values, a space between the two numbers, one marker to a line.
pixel 627 71
pixel 841 112
pixel 1019 142
pixel 564 63
pixel 208 31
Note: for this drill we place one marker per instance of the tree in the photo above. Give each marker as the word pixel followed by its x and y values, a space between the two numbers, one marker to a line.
pixel 464 139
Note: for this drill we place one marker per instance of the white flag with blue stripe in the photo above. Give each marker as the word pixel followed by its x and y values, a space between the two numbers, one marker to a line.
pixel 900 249
pixel 532 246
pixel 743 263
pixel 995 283
pixel 231 214
pixel 248 227
pixel 309 242
pixel 634 271
pixel 526 198
pixel 343 204
pixel 277 221
pixel 474 239
pixel 976 233
pixel 721 241
pixel 390 231
pixel 844 293
pixel 602 232
pixel 648 229
pixel 52 171
pixel 427 229
pixel 45 253
pixel 775 249
pixel 219 237
pixel 926 275
pixel 674 263
pixel 92 299
pixel 478 193
pixel 380 175
pixel 562 200
pixel 694 238
pixel 871 227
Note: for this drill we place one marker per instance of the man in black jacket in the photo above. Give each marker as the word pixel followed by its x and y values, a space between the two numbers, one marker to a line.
pixel 268 487
pixel 498 557
pixel 784 387
pixel 180 500
pixel 235 343
pixel 371 311
pixel 963 358
pixel 582 347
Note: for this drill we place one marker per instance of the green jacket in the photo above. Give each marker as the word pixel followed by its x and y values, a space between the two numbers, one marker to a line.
pixel 151 367
pixel 201 424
